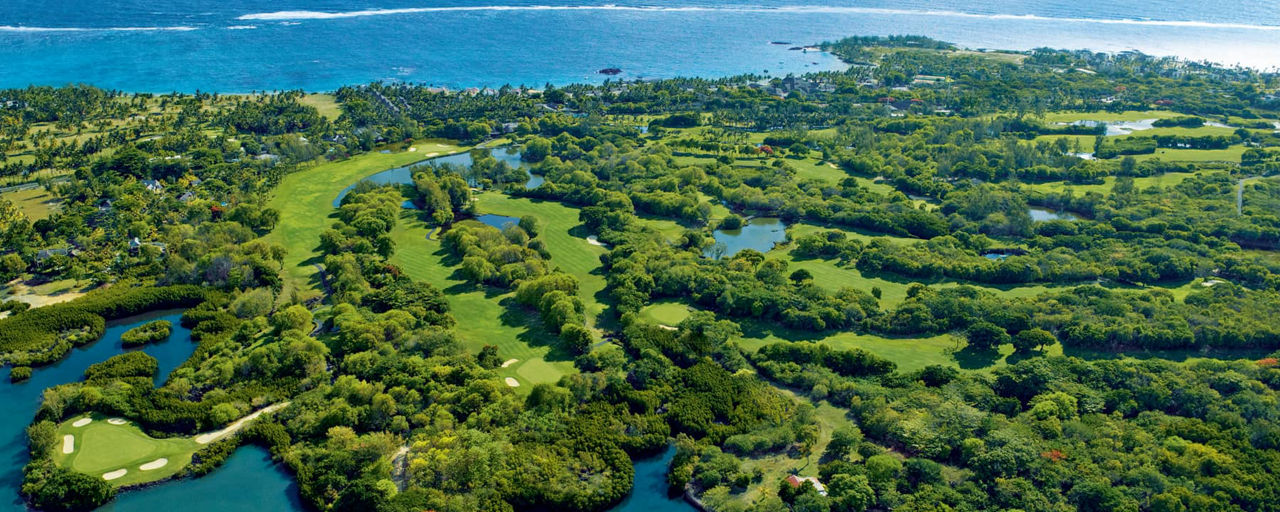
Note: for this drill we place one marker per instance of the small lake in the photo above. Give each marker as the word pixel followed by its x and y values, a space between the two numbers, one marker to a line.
pixel 404 175
pixel 20 402
pixel 650 491
pixel 497 221
pixel 760 233
pixel 995 256
pixel 1045 215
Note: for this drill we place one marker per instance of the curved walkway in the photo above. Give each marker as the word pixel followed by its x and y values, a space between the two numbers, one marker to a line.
pixel 210 437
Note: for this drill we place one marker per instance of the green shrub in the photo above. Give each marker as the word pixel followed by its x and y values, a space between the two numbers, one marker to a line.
pixel 19 373
pixel 146 333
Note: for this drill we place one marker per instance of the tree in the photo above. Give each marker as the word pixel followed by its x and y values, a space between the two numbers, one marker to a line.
pixel 985 335
pixel 576 338
pixel 1035 338
pixel 536 150
pixel 801 276
pixel 529 224
pixel 295 317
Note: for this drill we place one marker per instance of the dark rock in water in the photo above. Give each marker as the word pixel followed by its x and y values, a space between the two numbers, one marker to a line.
pixel 794 48
pixel 610 71
pixel 781 42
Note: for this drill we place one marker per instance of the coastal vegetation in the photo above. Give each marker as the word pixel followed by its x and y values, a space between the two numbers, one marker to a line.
pixel 938 280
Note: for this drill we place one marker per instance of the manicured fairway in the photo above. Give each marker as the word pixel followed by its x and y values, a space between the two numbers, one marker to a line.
pixel 305 202
pixel 482 318
pixel 101 448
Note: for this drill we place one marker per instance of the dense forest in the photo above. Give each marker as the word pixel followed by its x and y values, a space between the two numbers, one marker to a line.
pixel 1036 281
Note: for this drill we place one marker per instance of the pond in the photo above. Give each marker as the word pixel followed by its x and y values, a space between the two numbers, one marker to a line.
pixel 650 491
pixel 760 233
pixel 497 221
pixel 21 400
pixel 995 256
pixel 1045 215
pixel 404 175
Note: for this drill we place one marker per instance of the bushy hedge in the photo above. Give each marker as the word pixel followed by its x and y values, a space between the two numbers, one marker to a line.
pixel 147 333
pixel 131 364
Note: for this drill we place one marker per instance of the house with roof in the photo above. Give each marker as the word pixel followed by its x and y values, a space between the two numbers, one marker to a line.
pixel 187 196
pixel 153 185
pixel 797 481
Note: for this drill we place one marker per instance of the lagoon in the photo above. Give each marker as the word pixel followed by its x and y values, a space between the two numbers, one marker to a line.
pixel 760 233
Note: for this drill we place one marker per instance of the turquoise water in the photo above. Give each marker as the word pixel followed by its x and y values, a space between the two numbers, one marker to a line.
pixel 760 233
pixel 404 175
pixel 249 480
pixel 650 491
pixel 248 45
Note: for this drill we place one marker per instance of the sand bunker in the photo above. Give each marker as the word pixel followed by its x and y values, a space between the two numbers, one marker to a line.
pixel 155 464
pixel 68 443
pixel 82 422
pixel 509 362
pixel 118 421
pixel 512 382
pixel 596 241
pixel 411 150
pixel 114 474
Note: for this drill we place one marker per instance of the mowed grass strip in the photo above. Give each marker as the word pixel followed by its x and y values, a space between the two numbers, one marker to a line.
pixel 305 202
pixel 101 447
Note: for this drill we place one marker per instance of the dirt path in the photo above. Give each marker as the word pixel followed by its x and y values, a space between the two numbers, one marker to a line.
pixel 234 427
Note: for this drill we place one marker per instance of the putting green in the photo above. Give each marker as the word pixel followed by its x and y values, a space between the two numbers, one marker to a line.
pixel 669 313
pixel 102 448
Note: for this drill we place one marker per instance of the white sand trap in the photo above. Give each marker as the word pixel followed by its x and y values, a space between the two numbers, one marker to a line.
pixel 68 443
pixel 82 422
pixel 118 421
pixel 411 150
pixel 509 362
pixel 512 382
pixel 596 241
pixel 114 474
pixel 1210 282
pixel 155 464
pixel 668 327
pixel 432 154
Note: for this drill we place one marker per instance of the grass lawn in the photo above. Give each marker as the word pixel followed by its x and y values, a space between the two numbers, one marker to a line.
pixel 37 203
pixel 665 312
pixel 327 104
pixel 1162 180
pixel 1108 117
pixel 1229 154
pixel 101 447
pixel 305 202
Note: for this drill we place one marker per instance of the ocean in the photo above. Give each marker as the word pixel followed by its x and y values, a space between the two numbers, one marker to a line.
pixel 256 45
